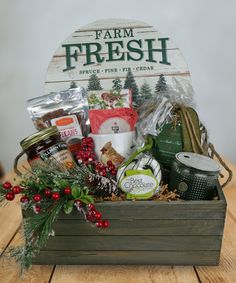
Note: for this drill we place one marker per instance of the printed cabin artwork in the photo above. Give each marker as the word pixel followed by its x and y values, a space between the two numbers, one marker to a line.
pixel 109 57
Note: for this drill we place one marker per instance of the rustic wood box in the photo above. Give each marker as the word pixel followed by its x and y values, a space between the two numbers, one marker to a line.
pixel 141 232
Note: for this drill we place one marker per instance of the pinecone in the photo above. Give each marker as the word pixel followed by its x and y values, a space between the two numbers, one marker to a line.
pixel 102 186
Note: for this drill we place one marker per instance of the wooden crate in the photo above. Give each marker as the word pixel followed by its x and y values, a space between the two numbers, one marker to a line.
pixel 141 232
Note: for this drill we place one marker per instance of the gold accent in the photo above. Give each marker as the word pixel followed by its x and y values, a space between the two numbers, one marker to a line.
pixel 39 136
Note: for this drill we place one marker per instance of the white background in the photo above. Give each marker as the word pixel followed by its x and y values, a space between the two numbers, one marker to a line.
pixel 31 30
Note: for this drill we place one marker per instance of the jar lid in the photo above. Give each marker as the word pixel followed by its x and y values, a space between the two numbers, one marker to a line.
pixel 198 161
pixel 39 136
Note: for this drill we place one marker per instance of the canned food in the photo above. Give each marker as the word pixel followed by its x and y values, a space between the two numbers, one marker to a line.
pixel 194 176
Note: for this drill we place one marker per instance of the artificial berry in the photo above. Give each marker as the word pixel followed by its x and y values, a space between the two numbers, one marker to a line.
pixel 105 224
pixel 85 156
pixel 47 193
pixel 10 196
pixel 97 167
pixel 98 215
pixel 67 191
pixel 103 173
pixel 37 208
pixel 55 196
pixel 37 197
pixel 113 172
pixel 89 217
pixel 109 163
pixel 16 189
pixel 24 199
pixel 91 206
pixel 112 168
pixel 99 224
pixel 89 140
pixel 7 186
pixel 78 203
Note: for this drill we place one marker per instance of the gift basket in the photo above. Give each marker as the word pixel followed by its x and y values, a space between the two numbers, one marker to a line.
pixel 121 174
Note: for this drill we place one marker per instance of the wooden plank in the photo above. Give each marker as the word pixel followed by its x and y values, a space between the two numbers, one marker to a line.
pixel 127 243
pixel 157 210
pixel 225 272
pixel 123 274
pixel 142 227
pixel 10 220
pixel 128 257
pixel 230 191
pixel 10 270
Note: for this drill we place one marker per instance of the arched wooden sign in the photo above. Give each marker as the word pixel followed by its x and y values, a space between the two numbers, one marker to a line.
pixel 111 54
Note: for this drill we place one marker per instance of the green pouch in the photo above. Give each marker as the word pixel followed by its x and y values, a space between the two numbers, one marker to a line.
pixel 183 134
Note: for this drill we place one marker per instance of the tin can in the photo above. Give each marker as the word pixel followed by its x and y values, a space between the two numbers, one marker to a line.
pixel 45 145
pixel 194 176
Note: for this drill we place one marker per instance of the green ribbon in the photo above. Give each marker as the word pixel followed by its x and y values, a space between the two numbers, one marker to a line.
pixel 147 147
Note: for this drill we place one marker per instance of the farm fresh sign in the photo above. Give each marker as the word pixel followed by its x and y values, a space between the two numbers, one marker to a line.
pixel 115 50
pixel 111 53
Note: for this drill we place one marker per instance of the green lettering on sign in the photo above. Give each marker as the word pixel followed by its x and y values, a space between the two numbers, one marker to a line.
pixel 90 53
pixel 134 50
pixel 163 50
pixel 115 50
pixel 69 55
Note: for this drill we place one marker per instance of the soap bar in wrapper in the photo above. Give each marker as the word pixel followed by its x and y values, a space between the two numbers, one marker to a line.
pixel 68 110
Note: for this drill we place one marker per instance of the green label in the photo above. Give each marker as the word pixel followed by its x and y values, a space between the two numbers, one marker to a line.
pixel 139 184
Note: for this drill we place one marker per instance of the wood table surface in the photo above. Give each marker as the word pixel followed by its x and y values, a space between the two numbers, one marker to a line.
pixel 10 222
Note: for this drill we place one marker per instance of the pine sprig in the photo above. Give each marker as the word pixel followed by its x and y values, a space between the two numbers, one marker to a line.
pixel 41 213
pixel 37 230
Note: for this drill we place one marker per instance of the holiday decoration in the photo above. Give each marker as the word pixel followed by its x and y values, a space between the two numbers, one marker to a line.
pixel 110 154
pixel 47 191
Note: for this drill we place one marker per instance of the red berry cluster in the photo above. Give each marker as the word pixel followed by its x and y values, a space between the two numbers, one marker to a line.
pixel 86 154
pixel 95 216
pixel 11 190
pixel 104 170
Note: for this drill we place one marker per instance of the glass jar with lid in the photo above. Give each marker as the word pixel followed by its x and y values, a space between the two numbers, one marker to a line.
pixel 45 145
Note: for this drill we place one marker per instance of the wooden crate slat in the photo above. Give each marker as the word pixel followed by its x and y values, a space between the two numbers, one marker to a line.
pixel 129 257
pixel 141 227
pixel 129 243
pixel 157 210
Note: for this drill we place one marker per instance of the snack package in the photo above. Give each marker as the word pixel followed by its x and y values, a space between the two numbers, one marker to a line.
pixel 109 99
pixel 68 110
pixel 112 121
